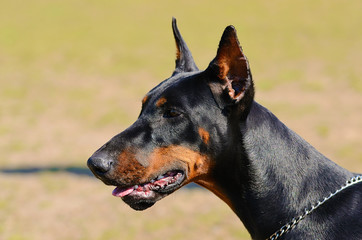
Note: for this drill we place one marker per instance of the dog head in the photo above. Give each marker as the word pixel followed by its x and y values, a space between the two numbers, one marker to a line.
pixel 186 128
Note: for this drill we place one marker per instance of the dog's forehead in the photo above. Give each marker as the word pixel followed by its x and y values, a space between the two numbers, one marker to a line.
pixel 177 84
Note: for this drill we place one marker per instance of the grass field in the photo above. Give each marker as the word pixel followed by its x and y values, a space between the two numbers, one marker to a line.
pixel 73 73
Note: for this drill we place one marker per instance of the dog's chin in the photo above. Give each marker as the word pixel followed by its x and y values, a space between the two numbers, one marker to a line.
pixel 139 205
pixel 142 203
pixel 142 196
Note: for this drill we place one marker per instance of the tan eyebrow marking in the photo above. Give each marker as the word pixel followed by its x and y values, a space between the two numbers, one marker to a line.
pixel 161 101
pixel 144 100
pixel 205 136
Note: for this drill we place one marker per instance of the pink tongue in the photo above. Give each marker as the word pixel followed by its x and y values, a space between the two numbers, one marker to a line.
pixel 119 192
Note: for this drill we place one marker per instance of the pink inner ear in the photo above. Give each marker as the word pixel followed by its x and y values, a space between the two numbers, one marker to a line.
pixel 232 65
pixel 234 72
pixel 236 87
pixel 230 59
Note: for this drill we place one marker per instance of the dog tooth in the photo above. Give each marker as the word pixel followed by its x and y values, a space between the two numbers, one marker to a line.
pixel 152 181
pixel 160 177
pixel 135 186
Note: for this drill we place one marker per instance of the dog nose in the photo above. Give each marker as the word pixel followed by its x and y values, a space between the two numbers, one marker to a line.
pixel 99 166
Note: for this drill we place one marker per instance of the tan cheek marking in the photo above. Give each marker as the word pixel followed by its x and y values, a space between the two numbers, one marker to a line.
pixel 198 165
pixel 161 101
pixel 128 168
pixel 205 136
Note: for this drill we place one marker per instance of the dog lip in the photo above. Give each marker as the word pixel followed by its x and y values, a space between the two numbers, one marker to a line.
pixel 164 183
pixel 140 200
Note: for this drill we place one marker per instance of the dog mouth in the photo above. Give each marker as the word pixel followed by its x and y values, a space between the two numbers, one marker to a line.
pixel 144 195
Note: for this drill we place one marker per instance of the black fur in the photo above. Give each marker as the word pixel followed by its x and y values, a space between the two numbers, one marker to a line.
pixel 262 169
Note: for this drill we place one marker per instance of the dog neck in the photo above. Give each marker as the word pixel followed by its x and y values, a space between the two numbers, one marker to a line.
pixel 277 174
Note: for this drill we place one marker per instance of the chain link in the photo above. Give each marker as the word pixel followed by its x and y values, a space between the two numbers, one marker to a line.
pixel 295 221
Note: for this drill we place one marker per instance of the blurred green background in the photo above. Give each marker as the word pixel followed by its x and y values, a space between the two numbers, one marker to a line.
pixel 72 74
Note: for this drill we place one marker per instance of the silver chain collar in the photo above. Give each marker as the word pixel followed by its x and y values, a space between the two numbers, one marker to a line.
pixel 295 221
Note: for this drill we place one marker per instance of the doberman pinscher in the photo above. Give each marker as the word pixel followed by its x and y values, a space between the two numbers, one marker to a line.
pixel 205 127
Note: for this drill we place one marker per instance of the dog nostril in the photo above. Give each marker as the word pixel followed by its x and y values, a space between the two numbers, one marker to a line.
pixel 99 165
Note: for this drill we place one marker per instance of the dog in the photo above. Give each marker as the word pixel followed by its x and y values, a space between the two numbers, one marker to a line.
pixel 205 127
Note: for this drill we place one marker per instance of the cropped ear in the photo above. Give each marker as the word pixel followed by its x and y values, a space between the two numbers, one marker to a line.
pixel 184 59
pixel 231 66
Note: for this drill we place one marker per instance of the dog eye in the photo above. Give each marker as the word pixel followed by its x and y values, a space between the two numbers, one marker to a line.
pixel 171 113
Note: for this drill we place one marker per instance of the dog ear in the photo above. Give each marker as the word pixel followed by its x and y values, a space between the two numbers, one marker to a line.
pixel 231 66
pixel 184 59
